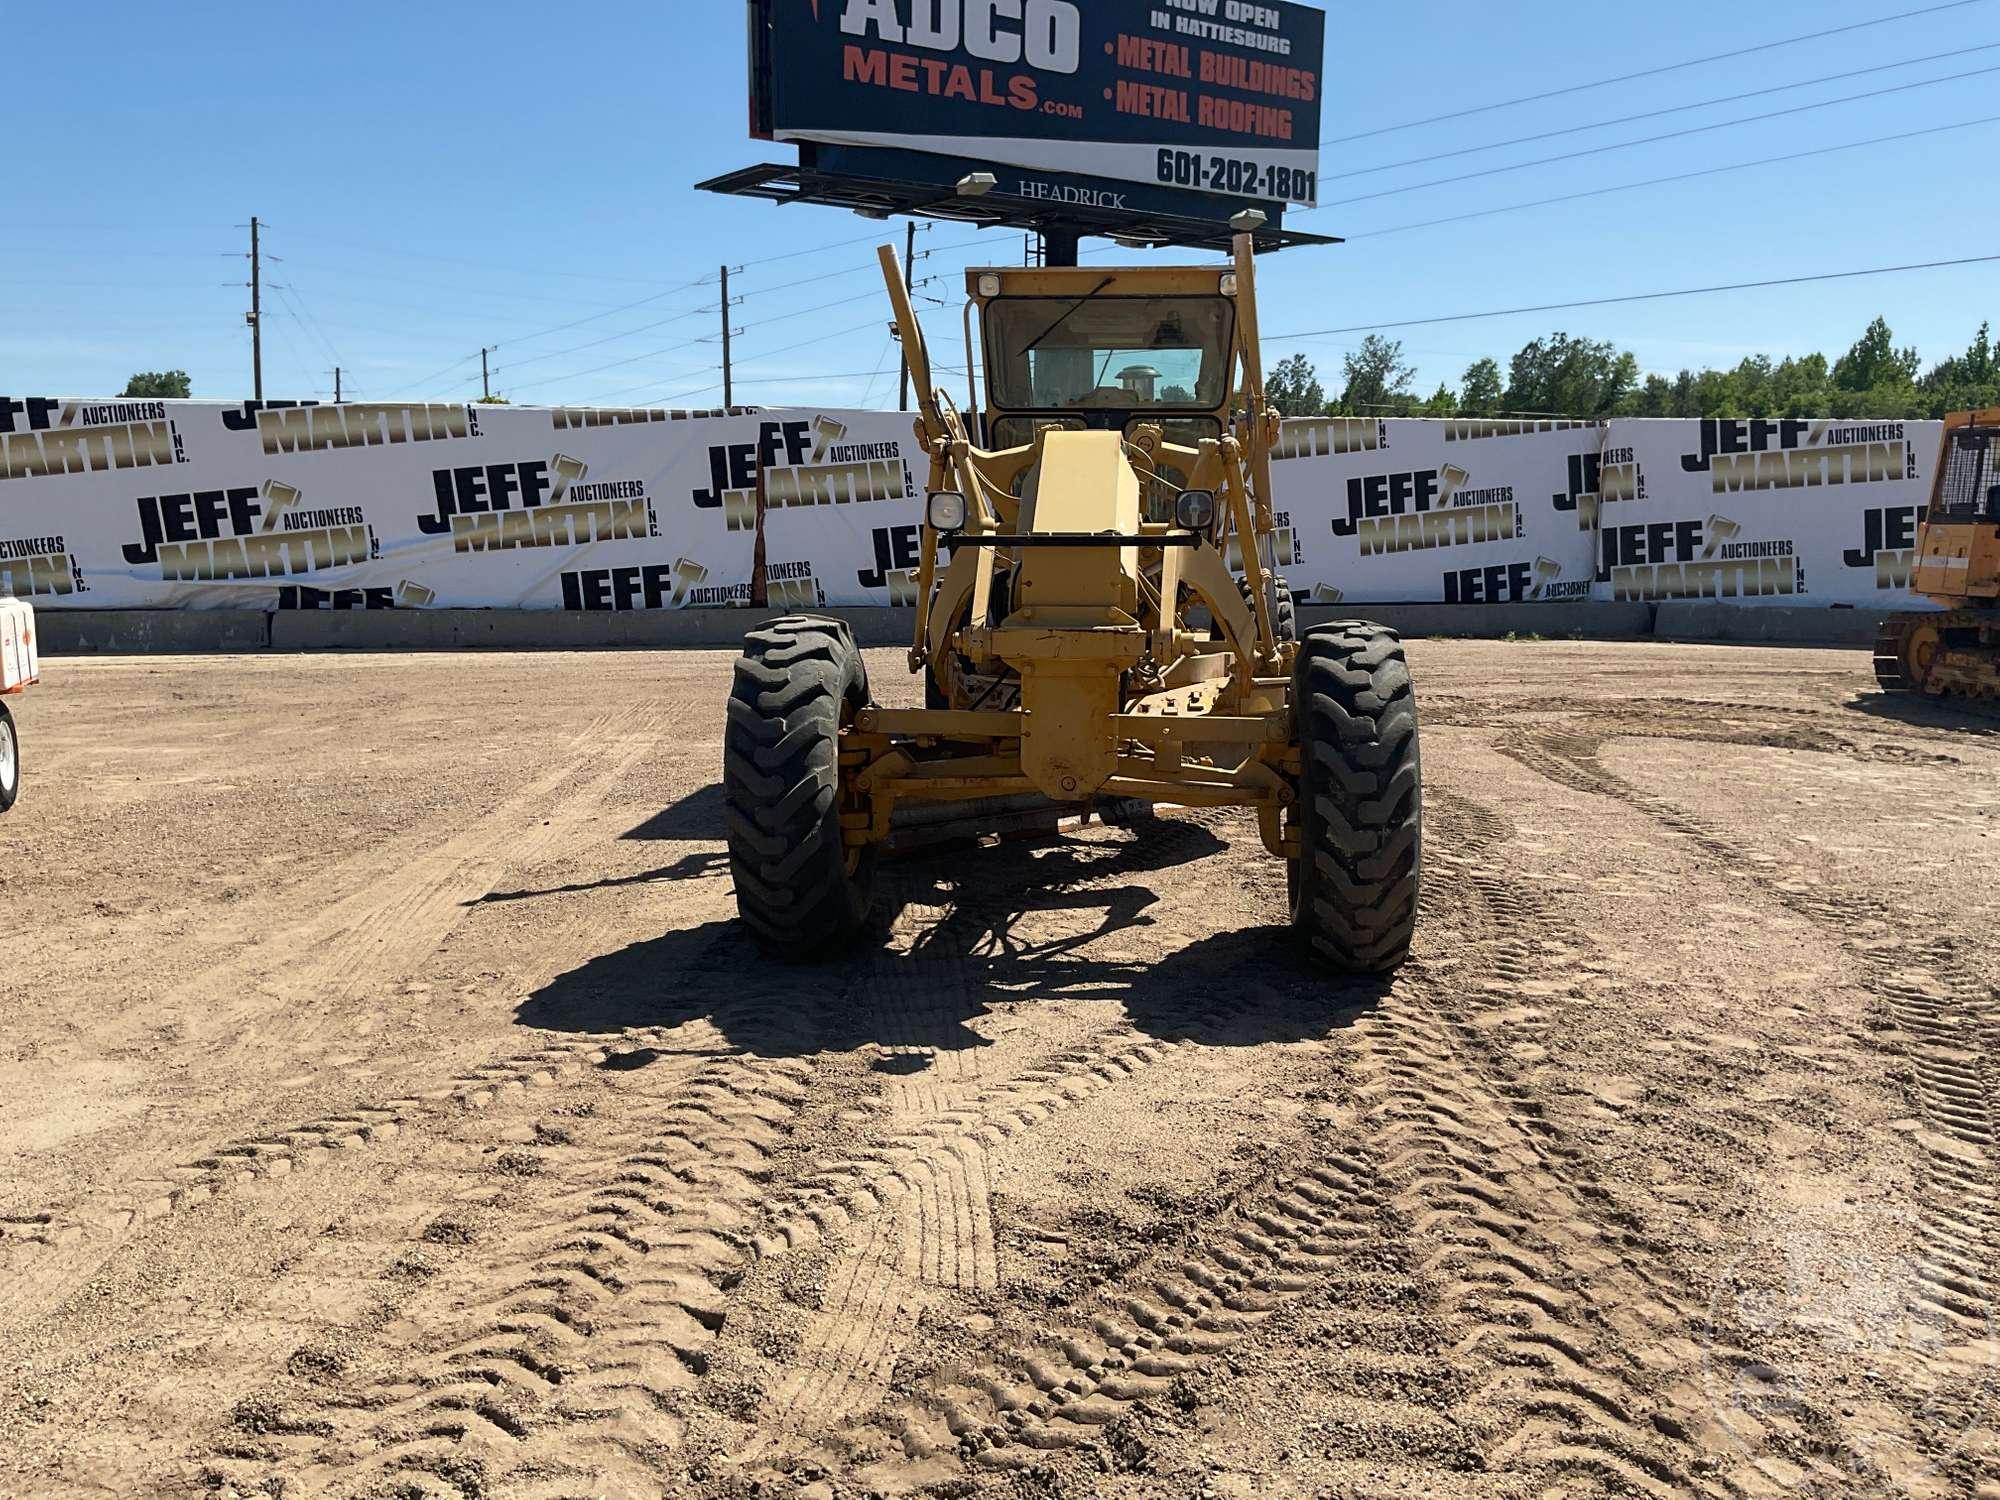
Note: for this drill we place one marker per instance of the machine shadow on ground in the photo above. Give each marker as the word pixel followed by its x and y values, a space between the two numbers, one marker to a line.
pixel 696 816
pixel 1055 921
pixel 1928 713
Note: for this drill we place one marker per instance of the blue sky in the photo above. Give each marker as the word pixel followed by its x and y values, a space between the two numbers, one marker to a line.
pixel 444 176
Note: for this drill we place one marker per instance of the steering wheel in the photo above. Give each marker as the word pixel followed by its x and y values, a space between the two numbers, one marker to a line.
pixel 1105 396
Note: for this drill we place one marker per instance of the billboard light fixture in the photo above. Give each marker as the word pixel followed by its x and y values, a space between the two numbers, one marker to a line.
pixel 977 184
pixel 1249 221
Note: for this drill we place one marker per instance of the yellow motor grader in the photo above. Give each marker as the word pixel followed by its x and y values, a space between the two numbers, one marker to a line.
pixel 1082 638
pixel 1956 653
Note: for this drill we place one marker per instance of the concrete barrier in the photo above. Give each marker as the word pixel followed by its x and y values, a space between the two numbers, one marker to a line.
pixel 541 630
pixel 78 632
pixel 1767 625
pixel 1597 622
pixel 151 632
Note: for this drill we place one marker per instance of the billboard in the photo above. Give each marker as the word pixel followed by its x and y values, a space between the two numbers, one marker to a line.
pixel 1218 100
pixel 1757 511
pixel 128 504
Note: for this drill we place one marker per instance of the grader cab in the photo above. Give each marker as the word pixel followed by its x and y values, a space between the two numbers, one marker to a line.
pixel 1082 639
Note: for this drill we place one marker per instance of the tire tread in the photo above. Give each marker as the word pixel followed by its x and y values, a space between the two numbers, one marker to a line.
pixel 781 785
pixel 1360 879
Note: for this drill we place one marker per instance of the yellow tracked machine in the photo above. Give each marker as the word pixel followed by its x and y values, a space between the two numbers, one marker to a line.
pixel 1955 654
pixel 1082 637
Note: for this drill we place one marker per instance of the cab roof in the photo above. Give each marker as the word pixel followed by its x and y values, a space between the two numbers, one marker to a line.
pixel 1103 281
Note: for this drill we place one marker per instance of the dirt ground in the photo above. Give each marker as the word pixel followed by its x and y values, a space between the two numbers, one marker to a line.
pixel 390 1105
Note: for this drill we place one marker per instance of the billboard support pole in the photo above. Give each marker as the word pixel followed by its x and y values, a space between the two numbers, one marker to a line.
pixel 1060 246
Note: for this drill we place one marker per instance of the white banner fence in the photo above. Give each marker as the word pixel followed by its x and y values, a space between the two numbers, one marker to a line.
pixel 194 505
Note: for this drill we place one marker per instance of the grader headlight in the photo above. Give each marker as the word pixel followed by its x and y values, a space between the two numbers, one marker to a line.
pixel 947 512
pixel 1195 510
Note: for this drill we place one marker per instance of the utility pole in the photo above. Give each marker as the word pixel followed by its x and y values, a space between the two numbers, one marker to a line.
pixel 336 385
pixel 909 270
pixel 485 379
pixel 728 375
pixel 256 314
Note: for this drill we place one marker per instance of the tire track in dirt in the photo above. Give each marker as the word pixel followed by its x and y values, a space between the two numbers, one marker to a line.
pixel 1319 1225
pixel 390 925
pixel 443 885
pixel 1710 722
pixel 561 1339
pixel 43 1255
pixel 692 1209
pixel 937 1233
pixel 370 917
pixel 1459 1230
pixel 940 1236
pixel 730 1241
pixel 1945 1027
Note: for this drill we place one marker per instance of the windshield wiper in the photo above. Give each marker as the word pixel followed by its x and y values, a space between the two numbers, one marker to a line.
pixel 1068 314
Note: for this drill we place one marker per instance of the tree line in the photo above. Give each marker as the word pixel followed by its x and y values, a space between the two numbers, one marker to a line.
pixel 1564 376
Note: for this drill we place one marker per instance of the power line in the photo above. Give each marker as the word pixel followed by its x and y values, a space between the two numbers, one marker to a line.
pixel 685 286
pixel 653 384
pixel 579 322
pixel 1627 187
pixel 777 318
pixel 1693 62
pixel 609 338
pixel 450 286
pixel 823 338
pixel 1655 114
pixel 620 363
pixel 1698 291
pixel 294 301
pixel 457 364
pixel 771 260
pixel 867 296
pixel 1650 140
pixel 771 354
pixel 456 260
pixel 780 380
pixel 888 345
pixel 290 309
pixel 139 286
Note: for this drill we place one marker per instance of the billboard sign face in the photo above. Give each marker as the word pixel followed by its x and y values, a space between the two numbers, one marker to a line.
pixel 1216 98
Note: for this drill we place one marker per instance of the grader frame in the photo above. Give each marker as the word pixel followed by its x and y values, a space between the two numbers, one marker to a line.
pixel 1120 698
pixel 1083 641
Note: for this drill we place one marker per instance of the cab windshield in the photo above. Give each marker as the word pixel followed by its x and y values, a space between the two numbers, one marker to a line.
pixel 1053 354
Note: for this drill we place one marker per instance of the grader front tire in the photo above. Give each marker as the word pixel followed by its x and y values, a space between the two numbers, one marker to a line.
pixel 798 888
pixel 1355 890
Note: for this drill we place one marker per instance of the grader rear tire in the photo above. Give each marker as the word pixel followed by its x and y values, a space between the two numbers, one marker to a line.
pixel 1284 611
pixel 1355 890
pixel 798 887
